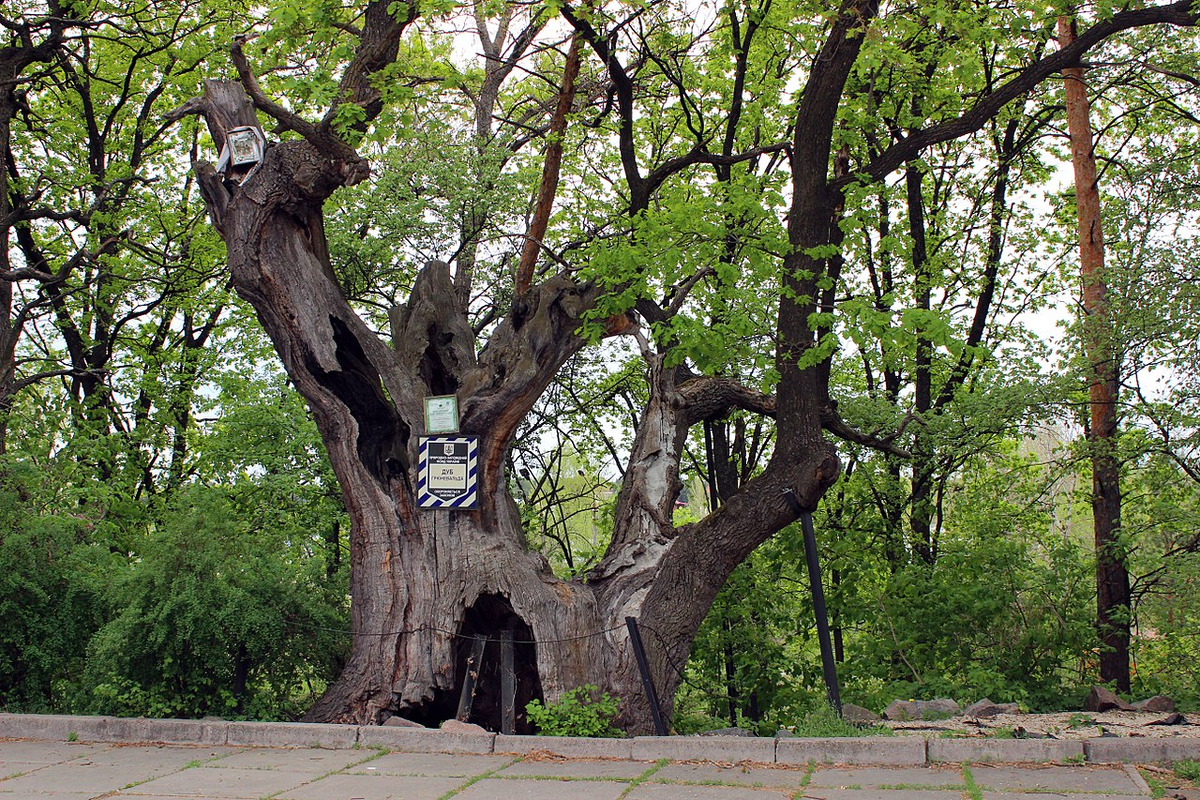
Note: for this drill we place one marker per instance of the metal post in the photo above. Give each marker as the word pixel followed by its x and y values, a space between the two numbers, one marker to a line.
pixel 508 684
pixel 639 652
pixel 471 675
pixel 818 595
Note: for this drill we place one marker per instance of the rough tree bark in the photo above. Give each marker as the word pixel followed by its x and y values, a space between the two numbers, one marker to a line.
pixel 423 581
pixel 1112 574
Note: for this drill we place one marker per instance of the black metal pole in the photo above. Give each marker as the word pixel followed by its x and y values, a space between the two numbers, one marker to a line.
pixel 639 652
pixel 818 595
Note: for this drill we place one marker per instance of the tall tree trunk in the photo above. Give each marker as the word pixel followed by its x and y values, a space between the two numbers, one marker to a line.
pixel 1112 576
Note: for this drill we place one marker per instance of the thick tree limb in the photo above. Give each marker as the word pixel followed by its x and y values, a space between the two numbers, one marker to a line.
pixel 1184 13
pixel 712 398
pixel 353 167
pixel 553 162
pixel 378 45
pixel 832 422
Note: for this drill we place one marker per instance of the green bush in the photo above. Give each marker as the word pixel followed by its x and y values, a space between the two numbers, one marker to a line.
pixel 215 619
pixel 52 587
pixel 579 712
pixel 822 722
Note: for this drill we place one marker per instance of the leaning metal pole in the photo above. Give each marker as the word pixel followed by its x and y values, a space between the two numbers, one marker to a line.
pixel 818 594
pixel 818 597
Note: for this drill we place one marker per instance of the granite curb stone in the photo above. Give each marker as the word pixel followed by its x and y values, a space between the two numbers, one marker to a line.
pixel 568 746
pixel 291 734
pixel 167 731
pixel 720 748
pixel 1140 751
pixel 901 751
pixel 426 741
pixel 882 751
pixel 1019 750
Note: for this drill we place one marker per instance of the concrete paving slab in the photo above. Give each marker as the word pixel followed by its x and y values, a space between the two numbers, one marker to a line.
pixel 1138 780
pixel 626 770
pixel 46 795
pixel 1140 751
pixel 743 776
pixel 875 777
pixel 440 765
pixel 659 791
pixel 881 750
pixel 1051 779
pixel 156 759
pixel 1005 750
pixel 71 777
pixel 884 794
pixel 291 734
pixel 1060 796
pixel 220 782
pixel 525 789
pixel 47 752
pixel 684 748
pixel 413 740
pixel 307 760
pixel 11 769
pixel 374 787
pixel 570 746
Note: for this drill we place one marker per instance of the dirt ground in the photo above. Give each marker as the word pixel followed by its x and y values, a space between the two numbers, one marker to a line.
pixel 1068 725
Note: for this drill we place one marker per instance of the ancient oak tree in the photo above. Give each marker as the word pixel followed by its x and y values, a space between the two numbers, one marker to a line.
pixel 423 582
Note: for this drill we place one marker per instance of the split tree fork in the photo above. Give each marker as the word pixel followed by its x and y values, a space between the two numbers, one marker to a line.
pixel 416 573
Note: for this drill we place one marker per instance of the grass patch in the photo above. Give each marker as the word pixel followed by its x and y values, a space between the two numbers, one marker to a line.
pixel 645 776
pixel 1188 769
pixel 808 773
pixel 973 790
pixel 1157 787
pixel 475 779
pixel 822 722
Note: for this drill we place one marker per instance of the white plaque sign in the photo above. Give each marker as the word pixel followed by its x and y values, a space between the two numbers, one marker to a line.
pixel 441 414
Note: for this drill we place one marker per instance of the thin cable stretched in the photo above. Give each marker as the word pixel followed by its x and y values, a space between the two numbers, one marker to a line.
pixel 671 662
pixel 682 671
pixel 432 629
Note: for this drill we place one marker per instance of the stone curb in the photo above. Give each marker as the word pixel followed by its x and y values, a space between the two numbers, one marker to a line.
pixel 290 734
pixel 1013 750
pixel 894 751
pixel 1140 751
pixel 879 750
pixel 415 740
pixel 717 748
pixel 566 746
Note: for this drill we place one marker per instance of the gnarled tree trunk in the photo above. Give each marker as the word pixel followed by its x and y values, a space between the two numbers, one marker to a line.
pixel 423 582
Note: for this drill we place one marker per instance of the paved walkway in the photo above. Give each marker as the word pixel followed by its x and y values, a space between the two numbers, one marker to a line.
pixel 42 770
